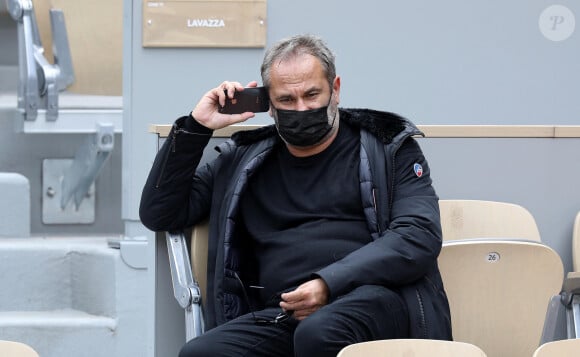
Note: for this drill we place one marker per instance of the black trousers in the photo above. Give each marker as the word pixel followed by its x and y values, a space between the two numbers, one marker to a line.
pixel 367 313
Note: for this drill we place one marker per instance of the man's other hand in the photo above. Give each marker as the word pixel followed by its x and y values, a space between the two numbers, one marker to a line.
pixel 306 299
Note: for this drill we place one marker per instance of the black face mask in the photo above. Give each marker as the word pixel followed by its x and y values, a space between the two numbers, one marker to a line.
pixel 303 128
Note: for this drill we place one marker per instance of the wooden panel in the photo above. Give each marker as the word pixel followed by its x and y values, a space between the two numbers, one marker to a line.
pixel 163 130
pixel 203 23
pixel 567 131
pixel 439 131
pixel 488 131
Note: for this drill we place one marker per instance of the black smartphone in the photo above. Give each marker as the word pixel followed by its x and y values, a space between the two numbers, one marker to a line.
pixel 251 99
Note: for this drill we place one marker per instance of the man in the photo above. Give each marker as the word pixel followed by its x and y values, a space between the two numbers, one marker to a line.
pixel 324 228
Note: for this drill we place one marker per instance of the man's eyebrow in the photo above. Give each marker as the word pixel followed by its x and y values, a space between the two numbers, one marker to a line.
pixel 313 89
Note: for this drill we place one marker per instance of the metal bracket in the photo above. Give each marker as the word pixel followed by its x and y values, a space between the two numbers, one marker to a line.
pixel 185 288
pixel 68 185
pixel 40 81
pixel 88 161
pixel 52 174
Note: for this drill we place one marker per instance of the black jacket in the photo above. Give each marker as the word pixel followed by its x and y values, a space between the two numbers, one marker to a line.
pixel 399 202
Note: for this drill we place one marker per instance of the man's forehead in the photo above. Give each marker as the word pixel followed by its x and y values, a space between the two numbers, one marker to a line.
pixel 295 65
pixel 305 75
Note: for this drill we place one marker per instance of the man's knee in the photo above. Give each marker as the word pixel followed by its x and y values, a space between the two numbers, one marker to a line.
pixel 313 337
pixel 367 313
pixel 197 347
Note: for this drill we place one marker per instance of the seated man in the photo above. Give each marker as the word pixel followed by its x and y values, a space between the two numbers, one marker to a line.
pixel 323 228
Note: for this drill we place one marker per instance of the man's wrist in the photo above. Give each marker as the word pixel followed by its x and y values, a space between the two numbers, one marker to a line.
pixel 194 126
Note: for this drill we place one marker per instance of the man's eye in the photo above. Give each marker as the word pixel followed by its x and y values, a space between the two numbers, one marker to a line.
pixel 312 96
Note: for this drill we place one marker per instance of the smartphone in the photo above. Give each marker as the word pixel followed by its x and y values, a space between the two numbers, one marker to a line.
pixel 251 99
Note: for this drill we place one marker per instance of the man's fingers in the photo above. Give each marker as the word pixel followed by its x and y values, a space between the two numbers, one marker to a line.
pixel 291 296
pixel 301 303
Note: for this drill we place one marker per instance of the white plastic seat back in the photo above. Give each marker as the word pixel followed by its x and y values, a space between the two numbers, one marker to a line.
pixel 464 219
pixel 499 291
pixel 561 348
pixel 411 348
pixel 16 349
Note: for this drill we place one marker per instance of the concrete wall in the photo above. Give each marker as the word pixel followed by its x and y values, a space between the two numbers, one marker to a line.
pixel 71 296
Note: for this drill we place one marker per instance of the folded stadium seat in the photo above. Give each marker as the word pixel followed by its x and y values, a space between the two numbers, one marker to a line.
pixel 561 348
pixel 576 243
pixel 499 291
pixel 16 349
pixel 463 219
pixel 97 56
pixel 572 284
pixel 412 348
pixel 199 236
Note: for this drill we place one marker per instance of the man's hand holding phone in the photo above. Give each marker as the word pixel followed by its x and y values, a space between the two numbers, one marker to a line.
pixel 230 103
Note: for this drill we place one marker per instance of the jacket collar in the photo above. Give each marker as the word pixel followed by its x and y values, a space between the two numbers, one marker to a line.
pixel 384 125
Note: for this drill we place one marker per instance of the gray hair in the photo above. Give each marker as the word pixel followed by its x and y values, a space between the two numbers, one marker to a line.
pixel 297 45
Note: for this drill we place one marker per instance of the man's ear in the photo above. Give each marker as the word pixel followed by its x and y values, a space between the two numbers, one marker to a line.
pixel 336 88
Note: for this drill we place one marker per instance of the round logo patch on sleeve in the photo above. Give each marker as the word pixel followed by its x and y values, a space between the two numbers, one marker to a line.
pixel 418 169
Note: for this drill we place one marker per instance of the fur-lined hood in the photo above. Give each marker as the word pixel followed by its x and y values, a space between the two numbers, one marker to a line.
pixel 384 125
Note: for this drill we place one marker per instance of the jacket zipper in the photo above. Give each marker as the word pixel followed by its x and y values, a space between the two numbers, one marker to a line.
pixel 379 229
pixel 392 185
pixel 422 322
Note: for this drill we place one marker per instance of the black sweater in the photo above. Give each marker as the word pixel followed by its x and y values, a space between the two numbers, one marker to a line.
pixel 304 213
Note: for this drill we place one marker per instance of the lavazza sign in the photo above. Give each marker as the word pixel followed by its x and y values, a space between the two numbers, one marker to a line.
pixel 206 23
